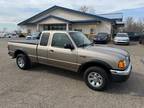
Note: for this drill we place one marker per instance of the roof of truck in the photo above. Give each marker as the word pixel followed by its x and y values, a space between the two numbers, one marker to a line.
pixel 57 31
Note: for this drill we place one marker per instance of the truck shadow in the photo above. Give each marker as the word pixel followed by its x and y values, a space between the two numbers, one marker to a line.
pixel 134 86
pixel 56 71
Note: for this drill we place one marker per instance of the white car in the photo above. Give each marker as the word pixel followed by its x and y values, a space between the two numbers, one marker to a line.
pixel 2 35
pixel 122 38
pixel 33 36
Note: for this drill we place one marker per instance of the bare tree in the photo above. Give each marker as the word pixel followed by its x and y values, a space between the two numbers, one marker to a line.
pixel 84 9
pixel 134 26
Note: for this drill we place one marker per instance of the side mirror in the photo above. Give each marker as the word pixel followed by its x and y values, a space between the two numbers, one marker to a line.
pixel 68 46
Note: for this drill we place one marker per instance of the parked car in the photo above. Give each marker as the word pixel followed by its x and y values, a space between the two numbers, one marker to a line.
pixel 141 40
pixel 10 35
pixel 33 36
pixel 2 35
pixel 121 38
pixel 101 38
pixel 135 36
pixel 73 51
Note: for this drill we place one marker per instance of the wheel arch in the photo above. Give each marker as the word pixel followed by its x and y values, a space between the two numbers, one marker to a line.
pixel 18 51
pixel 98 63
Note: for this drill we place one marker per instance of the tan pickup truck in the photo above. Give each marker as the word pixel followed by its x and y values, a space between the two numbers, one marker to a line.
pixel 73 51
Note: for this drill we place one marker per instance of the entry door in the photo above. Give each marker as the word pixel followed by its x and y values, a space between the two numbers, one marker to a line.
pixel 42 51
pixel 61 57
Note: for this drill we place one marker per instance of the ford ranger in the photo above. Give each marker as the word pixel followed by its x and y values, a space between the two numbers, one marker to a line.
pixel 72 50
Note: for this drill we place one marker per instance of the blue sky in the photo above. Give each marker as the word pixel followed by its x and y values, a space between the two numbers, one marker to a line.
pixel 15 11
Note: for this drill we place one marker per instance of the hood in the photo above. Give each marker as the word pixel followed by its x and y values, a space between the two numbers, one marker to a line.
pixel 109 51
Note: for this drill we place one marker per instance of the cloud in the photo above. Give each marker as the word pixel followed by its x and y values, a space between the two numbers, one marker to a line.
pixel 15 11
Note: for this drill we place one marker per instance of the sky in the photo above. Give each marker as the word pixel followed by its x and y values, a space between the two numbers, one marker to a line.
pixel 14 11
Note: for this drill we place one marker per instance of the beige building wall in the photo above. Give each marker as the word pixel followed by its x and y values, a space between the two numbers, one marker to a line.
pixel 86 28
pixel 52 21
pixel 101 27
pixel 26 28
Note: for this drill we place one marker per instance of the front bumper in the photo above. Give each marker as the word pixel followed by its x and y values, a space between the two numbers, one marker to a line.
pixel 121 42
pixel 118 75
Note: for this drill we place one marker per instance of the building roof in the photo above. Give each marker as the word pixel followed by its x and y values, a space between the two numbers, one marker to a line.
pixel 70 10
pixel 114 16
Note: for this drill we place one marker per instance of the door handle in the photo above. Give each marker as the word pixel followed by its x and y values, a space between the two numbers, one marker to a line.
pixel 51 50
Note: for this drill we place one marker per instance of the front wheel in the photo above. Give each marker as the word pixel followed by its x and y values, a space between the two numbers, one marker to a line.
pixel 96 78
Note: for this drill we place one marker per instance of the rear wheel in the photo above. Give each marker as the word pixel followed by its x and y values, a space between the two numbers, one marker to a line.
pixel 96 78
pixel 22 61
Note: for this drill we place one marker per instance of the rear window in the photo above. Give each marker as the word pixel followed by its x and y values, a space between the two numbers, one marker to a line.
pixel 122 35
pixel 44 39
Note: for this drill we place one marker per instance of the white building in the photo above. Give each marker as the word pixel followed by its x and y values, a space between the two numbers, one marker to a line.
pixel 60 18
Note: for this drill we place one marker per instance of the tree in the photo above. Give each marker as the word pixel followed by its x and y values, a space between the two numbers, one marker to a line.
pixel 84 9
pixel 87 9
pixel 134 26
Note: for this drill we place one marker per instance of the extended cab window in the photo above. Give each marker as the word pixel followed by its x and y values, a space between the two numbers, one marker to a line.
pixel 44 39
pixel 60 39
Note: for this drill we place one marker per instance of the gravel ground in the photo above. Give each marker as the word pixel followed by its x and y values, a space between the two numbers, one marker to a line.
pixel 47 87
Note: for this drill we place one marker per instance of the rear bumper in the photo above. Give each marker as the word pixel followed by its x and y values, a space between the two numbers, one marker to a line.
pixel 120 76
pixel 10 53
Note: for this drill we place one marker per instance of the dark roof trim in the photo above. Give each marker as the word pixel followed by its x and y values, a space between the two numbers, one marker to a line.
pixel 71 10
pixel 86 21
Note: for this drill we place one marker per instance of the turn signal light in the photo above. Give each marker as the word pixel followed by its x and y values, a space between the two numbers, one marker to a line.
pixel 122 64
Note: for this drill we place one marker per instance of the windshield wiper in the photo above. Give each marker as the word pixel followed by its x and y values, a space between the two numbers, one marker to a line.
pixel 84 45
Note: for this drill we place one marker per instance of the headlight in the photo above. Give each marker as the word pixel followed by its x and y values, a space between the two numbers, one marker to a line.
pixel 122 64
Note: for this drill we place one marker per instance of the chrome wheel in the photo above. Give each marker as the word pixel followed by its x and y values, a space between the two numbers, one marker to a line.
pixel 95 79
pixel 21 62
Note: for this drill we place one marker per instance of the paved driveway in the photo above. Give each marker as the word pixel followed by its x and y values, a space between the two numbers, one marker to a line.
pixel 47 87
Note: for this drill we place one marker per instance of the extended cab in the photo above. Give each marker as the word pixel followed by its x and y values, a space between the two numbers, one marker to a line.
pixel 73 51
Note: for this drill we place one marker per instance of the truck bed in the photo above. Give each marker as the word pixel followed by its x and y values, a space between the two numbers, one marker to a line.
pixel 34 42
pixel 27 46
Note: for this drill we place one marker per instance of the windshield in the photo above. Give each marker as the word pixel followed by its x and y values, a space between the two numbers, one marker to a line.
pixel 121 35
pixel 80 39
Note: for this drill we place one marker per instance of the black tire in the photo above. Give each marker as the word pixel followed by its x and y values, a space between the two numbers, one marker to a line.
pixel 26 61
pixel 103 75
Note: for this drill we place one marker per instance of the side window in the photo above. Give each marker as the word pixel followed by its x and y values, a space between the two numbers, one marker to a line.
pixel 60 39
pixel 44 39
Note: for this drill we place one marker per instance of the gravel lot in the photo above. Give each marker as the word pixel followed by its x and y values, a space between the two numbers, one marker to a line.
pixel 47 87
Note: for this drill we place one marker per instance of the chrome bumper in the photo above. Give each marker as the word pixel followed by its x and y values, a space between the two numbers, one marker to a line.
pixel 125 72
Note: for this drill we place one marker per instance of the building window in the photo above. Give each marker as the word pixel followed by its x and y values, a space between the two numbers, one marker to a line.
pixel 80 30
pixel 29 31
pixel 91 31
pixel 55 27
